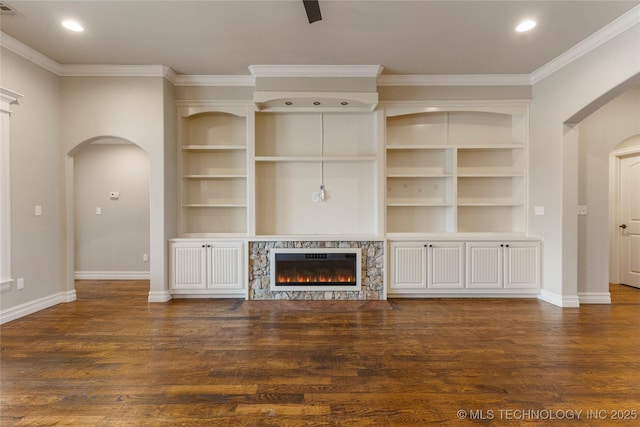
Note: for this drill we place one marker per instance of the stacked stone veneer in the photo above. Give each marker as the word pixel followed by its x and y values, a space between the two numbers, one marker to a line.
pixel 372 271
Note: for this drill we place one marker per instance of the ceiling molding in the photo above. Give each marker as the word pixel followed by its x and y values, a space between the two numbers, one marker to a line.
pixel 598 38
pixel 80 70
pixel 316 70
pixel 456 80
pixel 29 53
pixel 186 80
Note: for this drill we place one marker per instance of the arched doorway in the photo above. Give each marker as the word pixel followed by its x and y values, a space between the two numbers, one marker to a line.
pixel 108 210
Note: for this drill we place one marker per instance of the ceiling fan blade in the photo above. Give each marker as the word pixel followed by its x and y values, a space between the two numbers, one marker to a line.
pixel 313 10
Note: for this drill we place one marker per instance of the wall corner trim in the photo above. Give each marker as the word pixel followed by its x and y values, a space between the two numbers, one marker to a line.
pixel 159 296
pixel 565 301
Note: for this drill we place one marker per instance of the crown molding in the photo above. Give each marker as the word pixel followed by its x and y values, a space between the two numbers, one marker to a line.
pixel 21 49
pixel 194 80
pixel 81 70
pixel 456 80
pixel 78 70
pixel 316 70
pixel 8 97
pixel 606 33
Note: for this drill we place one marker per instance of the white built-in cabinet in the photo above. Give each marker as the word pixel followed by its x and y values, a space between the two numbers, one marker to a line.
pixel 419 268
pixel 207 267
pixel 508 265
pixel 418 265
pixel 445 183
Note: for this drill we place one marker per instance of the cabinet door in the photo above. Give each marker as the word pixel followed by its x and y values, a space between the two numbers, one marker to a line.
pixel 226 265
pixel 408 265
pixel 484 265
pixel 445 265
pixel 522 265
pixel 188 265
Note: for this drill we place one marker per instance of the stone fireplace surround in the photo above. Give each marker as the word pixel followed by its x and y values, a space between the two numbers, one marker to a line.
pixel 372 271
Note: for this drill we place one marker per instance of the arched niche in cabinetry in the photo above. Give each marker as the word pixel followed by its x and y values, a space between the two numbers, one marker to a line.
pixel 212 153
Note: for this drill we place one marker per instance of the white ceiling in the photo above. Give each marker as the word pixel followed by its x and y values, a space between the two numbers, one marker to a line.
pixel 225 37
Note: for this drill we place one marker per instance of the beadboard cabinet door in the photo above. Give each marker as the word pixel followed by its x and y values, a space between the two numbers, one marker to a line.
pixel 419 265
pixel 445 265
pixel 206 266
pixel 508 265
pixel 408 269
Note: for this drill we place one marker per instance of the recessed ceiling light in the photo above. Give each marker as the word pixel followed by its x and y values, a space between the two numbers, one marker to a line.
pixel 72 25
pixel 526 25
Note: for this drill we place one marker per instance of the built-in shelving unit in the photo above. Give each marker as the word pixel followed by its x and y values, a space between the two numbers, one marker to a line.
pixel 213 171
pixel 296 154
pixel 456 171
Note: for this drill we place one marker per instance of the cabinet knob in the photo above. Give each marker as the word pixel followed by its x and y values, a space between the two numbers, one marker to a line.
pixel 204 246
pixel 430 246
pixel 506 246
pixel 502 246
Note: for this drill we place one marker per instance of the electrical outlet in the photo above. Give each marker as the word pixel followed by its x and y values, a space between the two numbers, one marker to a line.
pixel 38 210
pixel 145 257
pixel 20 283
pixel 316 197
pixel 582 209
pixel 114 195
pixel 98 211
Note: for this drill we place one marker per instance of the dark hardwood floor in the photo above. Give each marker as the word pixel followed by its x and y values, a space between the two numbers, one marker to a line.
pixel 112 359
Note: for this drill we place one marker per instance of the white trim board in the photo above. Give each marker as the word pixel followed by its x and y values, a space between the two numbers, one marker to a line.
pixel 111 275
pixel 594 297
pixel 565 301
pixel 31 307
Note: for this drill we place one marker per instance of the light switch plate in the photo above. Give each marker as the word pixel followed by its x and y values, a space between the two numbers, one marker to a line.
pixel 538 210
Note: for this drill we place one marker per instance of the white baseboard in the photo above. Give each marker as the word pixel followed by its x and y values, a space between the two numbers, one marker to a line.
pixel 569 301
pixel 111 275
pixel 159 296
pixel 31 307
pixel 594 297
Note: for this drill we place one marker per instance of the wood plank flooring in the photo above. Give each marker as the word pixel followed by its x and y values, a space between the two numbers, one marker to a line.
pixel 112 359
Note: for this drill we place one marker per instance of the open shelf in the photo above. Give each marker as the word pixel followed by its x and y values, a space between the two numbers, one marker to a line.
pixel 213 188
pixel 420 219
pixel 456 171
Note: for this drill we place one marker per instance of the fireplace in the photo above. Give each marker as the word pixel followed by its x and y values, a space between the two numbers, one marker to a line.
pixel 335 269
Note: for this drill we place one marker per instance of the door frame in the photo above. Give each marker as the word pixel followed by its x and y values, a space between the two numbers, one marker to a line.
pixel 614 208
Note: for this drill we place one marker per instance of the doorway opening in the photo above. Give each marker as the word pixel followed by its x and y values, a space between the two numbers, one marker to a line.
pixel 624 212
pixel 108 211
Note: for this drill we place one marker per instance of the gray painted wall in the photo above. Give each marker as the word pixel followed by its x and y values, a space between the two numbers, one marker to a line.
pixel 115 240
pixel 600 133
pixel 37 178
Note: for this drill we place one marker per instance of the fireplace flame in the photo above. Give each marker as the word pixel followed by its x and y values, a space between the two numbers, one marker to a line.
pixel 315 278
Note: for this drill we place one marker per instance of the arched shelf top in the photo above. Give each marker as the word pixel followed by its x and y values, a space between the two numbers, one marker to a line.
pixel 509 107
pixel 236 108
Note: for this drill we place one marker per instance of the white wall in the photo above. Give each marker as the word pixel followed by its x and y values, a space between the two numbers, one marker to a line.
pixel 114 241
pixel 37 242
pixel 599 134
pixel 554 155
